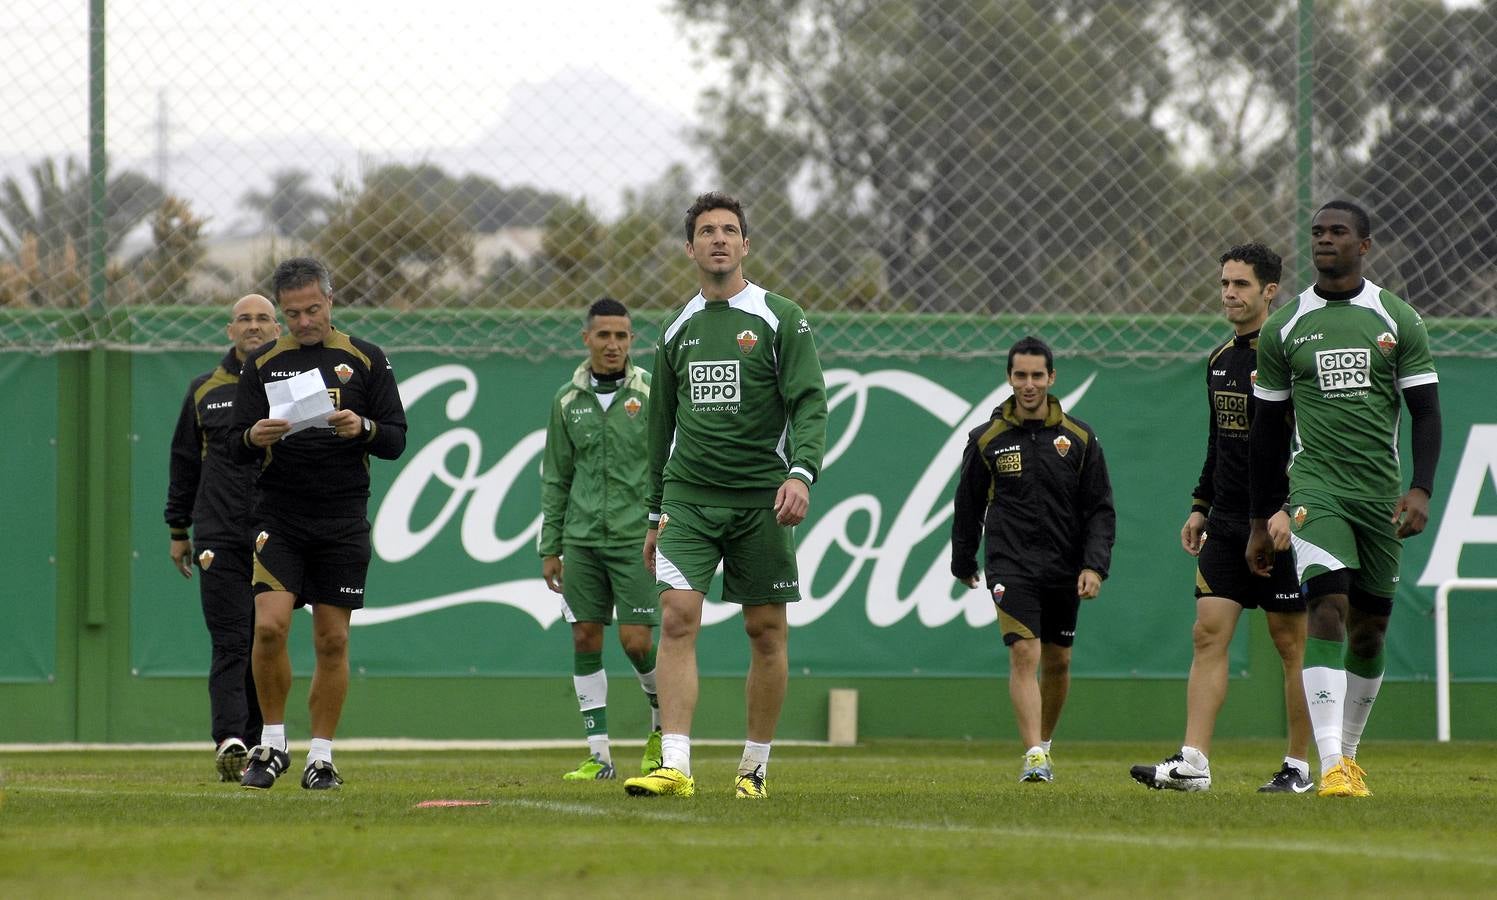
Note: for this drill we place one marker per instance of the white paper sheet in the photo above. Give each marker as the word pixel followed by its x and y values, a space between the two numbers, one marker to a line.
pixel 302 400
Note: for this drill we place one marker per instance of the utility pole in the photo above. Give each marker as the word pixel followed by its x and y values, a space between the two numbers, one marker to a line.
pixel 163 141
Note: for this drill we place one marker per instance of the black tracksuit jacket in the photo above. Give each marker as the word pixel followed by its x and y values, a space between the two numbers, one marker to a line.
pixel 1039 491
pixel 208 490
pixel 314 473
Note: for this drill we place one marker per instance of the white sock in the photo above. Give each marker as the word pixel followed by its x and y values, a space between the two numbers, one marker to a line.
pixel 755 756
pixel 1325 691
pixel 1360 694
pixel 675 752
pixel 597 745
pixel 322 748
pixel 274 736
pixel 1035 749
pixel 1300 765
pixel 647 684
pixel 1195 757
pixel 1045 746
pixel 592 690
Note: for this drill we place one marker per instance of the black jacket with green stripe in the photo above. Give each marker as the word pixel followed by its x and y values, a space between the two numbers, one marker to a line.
pixel 1039 490
pixel 209 491
pixel 314 472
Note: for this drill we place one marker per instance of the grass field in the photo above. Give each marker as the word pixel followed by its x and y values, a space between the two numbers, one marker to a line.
pixel 888 819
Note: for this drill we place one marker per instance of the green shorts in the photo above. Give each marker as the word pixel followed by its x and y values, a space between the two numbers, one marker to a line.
pixel 1330 533
pixel 757 553
pixel 595 580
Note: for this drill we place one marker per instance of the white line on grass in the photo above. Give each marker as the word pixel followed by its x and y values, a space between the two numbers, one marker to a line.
pixel 587 809
pixel 1194 842
pixel 18 790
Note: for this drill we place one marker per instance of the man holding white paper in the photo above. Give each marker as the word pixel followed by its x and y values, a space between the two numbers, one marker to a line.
pixel 303 401
pixel 311 409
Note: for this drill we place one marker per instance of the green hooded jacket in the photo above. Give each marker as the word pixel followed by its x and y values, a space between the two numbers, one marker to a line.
pixel 593 484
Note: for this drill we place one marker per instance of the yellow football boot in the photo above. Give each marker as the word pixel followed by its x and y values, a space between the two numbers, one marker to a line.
pixel 661 783
pixel 750 785
pixel 1336 783
pixel 1356 777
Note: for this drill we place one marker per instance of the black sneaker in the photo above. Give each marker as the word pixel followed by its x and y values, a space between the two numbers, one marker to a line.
pixel 1287 780
pixel 320 776
pixel 266 764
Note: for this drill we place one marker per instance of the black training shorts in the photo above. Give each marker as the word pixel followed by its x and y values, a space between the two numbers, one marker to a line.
pixel 320 560
pixel 1222 571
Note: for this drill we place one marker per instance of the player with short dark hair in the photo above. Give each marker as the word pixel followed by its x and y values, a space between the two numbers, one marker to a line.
pixel 593 522
pixel 212 494
pixel 312 542
pixel 1342 352
pixel 737 430
pixel 1034 491
pixel 1215 532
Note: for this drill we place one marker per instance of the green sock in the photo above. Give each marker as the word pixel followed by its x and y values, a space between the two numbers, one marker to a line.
pixel 586 663
pixel 1325 690
pixel 1321 652
pixel 591 682
pixel 1367 668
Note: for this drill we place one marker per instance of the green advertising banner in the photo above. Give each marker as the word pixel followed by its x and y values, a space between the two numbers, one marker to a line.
pixel 455 585
pixel 28 528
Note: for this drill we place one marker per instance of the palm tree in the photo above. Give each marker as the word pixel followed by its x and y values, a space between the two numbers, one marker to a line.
pixel 290 207
pixel 55 210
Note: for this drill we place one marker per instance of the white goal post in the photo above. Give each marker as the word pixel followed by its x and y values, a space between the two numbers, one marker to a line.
pixel 1442 646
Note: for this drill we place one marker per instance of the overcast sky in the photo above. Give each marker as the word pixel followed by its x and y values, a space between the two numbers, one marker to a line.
pixel 441 69
pixel 386 79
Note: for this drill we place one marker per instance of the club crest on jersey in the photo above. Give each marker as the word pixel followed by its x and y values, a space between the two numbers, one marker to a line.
pixel 1062 445
pixel 631 406
pixel 997 593
pixel 205 559
pixel 747 341
pixel 344 372
pixel 660 526
pixel 1300 514
pixel 1253 377
pixel 1386 342
pixel 260 540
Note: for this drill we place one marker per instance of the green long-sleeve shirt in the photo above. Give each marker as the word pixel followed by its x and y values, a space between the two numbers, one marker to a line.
pixel 739 402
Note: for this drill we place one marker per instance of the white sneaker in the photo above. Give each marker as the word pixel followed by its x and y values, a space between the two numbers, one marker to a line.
pixel 1173 774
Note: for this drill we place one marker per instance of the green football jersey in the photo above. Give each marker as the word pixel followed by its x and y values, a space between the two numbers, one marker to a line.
pixel 1343 364
pixel 738 402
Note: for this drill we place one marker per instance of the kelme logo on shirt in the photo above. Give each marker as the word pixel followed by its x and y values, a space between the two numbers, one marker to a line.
pixel 1340 370
pixel 747 341
pixel 714 381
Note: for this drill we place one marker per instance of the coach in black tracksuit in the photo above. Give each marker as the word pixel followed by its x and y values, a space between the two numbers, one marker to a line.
pixel 210 493
pixel 1035 481
pixel 311 523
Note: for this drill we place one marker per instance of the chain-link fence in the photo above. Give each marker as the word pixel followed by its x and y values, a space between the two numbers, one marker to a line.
pixel 956 171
